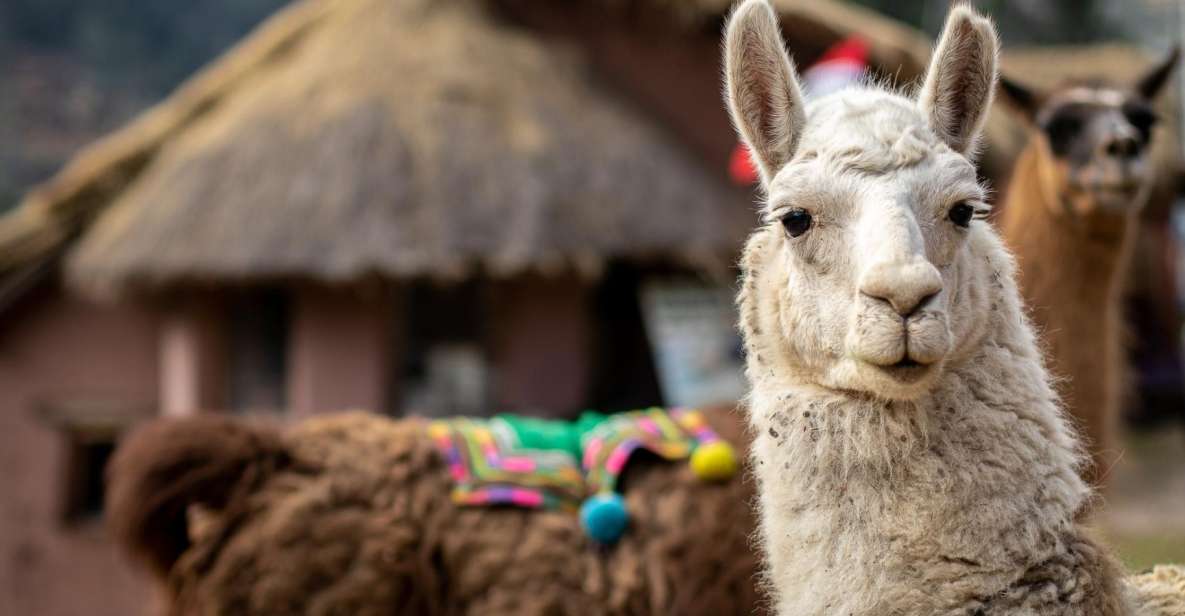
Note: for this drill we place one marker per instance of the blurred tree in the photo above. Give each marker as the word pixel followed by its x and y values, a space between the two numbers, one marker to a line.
pixel 1021 22
pixel 1046 22
pixel 912 12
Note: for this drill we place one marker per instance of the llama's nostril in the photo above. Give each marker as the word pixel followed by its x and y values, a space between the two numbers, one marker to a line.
pixel 1125 147
pixel 925 301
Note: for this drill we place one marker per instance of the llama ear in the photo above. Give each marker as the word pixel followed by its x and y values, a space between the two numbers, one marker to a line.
pixel 764 97
pixel 961 79
pixel 1023 99
pixel 1153 81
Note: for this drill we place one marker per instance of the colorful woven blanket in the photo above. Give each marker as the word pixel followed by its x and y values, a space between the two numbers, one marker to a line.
pixel 537 463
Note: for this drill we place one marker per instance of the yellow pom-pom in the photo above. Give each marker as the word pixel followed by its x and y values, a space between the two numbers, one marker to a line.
pixel 714 462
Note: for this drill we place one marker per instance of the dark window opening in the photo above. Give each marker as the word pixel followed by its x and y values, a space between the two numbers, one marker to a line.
pixel 624 376
pixel 444 369
pixel 259 335
pixel 86 466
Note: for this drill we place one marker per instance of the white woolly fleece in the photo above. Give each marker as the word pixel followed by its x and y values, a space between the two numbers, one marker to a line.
pixel 911 455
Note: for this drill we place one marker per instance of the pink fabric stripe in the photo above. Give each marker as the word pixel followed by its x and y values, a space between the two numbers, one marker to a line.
pixel 591 450
pixel 527 498
pixel 518 465
pixel 618 458
pixel 649 426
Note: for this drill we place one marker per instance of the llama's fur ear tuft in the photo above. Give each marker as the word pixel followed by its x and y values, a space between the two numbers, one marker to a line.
pixel 764 97
pixel 961 80
pixel 1151 84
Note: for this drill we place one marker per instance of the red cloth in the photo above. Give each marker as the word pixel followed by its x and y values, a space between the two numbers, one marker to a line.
pixel 740 166
pixel 851 49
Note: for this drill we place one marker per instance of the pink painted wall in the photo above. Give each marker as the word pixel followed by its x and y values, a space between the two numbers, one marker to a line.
pixel 58 349
pixel 193 357
pixel 541 345
pixel 341 349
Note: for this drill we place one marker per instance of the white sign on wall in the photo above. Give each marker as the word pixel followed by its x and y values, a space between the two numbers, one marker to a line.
pixel 696 347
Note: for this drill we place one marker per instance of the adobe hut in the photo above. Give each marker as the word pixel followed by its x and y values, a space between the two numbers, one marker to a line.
pixel 368 204
pixel 350 144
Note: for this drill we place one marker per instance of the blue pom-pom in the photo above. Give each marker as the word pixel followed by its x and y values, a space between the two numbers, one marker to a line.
pixel 604 517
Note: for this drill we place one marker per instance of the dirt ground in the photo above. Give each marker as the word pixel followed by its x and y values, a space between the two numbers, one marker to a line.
pixel 1144 512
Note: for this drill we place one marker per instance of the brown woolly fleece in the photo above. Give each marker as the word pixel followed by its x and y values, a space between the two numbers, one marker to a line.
pixel 1072 272
pixel 350 514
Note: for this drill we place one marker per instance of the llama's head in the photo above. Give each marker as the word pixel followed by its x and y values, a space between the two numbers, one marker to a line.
pixel 1093 140
pixel 871 269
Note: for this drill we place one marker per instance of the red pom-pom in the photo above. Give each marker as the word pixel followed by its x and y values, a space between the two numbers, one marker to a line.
pixel 740 166
pixel 851 49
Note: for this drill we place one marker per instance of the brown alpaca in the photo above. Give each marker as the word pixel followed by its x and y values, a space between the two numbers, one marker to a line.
pixel 1070 217
pixel 351 514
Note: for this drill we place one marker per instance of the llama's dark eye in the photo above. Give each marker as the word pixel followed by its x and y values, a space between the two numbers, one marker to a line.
pixel 796 222
pixel 961 214
pixel 1142 119
pixel 1062 129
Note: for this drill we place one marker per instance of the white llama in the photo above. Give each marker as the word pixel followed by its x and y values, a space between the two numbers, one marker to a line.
pixel 911 455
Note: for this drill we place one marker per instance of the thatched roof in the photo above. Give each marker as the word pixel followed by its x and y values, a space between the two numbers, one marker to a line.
pixel 356 137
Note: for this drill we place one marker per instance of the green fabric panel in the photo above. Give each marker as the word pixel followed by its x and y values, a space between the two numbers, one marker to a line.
pixel 552 434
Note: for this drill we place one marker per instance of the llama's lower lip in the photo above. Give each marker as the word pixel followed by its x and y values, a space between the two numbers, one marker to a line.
pixel 906 370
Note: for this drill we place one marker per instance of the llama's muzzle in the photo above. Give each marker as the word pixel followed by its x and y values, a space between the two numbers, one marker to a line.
pixel 903 347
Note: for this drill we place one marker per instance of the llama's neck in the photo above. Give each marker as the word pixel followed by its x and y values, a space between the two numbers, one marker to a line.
pixel 942 505
pixel 1073 269
pixel 1063 256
